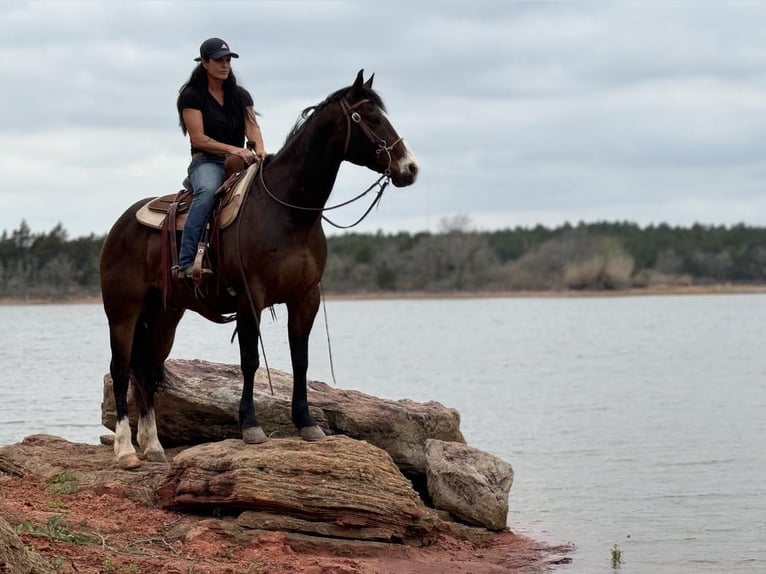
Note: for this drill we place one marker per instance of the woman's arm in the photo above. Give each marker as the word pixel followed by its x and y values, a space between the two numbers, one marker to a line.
pixel 253 132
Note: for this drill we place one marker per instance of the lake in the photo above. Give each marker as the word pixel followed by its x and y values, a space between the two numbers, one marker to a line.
pixel 636 421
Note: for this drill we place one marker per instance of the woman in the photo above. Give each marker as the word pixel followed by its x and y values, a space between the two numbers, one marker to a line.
pixel 217 114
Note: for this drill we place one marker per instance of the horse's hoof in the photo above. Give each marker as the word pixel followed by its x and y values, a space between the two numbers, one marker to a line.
pixel 254 435
pixel 312 433
pixel 129 461
pixel 155 456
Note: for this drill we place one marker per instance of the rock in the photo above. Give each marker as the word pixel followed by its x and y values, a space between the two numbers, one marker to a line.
pixel 199 403
pixel 47 456
pixel 15 558
pixel 339 487
pixel 468 483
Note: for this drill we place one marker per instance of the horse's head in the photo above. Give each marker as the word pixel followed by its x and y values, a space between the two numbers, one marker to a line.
pixel 371 140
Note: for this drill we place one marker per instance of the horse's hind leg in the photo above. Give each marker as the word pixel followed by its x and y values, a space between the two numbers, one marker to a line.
pixel 300 320
pixel 121 340
pixel 154 339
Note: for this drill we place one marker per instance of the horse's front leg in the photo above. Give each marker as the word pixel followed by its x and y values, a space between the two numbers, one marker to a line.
pixel 300 320
pixel 247 332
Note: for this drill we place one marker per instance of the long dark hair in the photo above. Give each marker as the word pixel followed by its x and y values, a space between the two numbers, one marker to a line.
pixel 233 102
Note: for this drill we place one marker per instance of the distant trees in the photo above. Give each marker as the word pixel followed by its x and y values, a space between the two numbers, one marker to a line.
pixel 586 256
pixel 48 265
pixel 595 256
pixel 575 259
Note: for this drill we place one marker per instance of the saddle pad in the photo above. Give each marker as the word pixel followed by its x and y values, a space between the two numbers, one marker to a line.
pixel 152 214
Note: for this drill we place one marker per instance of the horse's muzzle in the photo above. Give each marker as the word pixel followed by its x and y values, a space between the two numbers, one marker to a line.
pixel 405 171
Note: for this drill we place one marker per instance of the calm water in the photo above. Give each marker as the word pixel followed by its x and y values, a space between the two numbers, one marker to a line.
pixel 630 421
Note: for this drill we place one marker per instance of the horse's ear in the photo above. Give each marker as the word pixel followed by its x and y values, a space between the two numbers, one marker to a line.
pixel 368 83
pixel 357 87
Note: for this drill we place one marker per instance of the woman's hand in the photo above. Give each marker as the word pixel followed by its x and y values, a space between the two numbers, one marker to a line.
pixel 249 156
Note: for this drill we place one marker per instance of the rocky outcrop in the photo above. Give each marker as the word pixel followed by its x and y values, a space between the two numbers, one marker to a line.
pixel 338 487
pixel 200 400
pixel 469 483
pixel 69 508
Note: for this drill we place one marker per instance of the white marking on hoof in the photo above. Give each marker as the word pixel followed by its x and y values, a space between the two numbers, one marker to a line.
pixel 147 438
pixel 123 445
pixel 254 435
pixel 312 433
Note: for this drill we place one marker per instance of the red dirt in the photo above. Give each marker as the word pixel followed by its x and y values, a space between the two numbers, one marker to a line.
pixel 101 531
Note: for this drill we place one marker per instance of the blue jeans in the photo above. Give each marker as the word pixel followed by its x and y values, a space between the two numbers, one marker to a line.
pixel 206 175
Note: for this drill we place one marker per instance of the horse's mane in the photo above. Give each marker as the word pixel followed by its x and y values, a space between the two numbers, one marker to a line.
pixel 367 93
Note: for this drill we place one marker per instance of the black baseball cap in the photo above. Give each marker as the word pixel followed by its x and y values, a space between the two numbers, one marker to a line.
pixel 214 48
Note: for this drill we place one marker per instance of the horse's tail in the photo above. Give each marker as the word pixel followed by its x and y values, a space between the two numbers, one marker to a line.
pixel 147 373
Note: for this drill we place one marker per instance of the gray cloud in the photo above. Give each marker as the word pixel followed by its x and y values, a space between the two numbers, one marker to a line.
pixel 519 112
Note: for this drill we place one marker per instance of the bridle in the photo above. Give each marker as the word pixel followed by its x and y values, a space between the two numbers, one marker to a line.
pixel 352 117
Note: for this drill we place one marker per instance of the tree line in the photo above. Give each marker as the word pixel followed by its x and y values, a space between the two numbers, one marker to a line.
pixel 586 256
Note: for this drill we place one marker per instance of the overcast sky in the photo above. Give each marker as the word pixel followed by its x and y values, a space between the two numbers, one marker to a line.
pixel 519 113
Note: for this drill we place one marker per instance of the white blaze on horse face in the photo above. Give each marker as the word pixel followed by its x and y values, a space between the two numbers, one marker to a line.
pixel 408 162
pixel 147 433
pixel 407 166
pixel 122 443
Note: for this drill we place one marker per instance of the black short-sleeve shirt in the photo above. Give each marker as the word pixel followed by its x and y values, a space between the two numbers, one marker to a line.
pixel 217 120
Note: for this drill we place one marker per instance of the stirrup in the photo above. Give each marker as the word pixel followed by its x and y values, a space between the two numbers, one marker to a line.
pixel 188 273
pixel 197 269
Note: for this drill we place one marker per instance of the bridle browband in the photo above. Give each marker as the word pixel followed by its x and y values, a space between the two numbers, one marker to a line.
pixel 352 116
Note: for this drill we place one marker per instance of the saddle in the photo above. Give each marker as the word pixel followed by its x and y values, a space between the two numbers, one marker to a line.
pixel 231 193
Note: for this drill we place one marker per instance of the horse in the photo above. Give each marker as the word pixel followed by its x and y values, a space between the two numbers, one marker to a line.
pixel 275 253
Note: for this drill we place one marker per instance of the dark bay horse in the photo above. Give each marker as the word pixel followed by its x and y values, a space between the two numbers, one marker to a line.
pixel 276 253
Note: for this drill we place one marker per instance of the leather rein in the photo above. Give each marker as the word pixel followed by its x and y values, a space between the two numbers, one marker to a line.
pixel 352 117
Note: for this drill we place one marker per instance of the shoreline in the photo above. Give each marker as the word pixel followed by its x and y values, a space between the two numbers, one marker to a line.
pixel 722 289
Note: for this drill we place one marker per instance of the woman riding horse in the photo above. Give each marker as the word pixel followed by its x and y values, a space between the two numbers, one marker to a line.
pixel 274 253
pixel 217 114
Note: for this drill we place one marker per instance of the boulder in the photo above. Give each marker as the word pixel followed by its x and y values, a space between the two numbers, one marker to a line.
pixel 339 487
pixel 470 484
pixel 15 558
pixel 199 402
